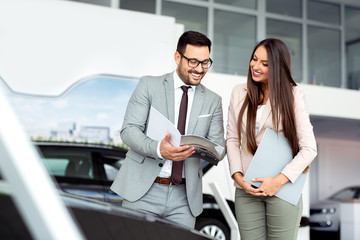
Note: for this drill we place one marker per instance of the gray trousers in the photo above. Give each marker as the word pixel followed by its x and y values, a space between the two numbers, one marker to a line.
pixel 166 201
pixel 266 218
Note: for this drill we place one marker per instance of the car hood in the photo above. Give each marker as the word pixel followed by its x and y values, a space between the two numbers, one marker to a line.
pixel 325 204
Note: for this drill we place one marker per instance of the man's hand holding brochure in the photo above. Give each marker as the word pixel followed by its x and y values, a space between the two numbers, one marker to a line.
pixel 158 125
pixel 272 155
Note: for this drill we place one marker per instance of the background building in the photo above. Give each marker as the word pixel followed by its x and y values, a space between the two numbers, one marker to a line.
pixel 324 41
pixel 95 134
pixel 323 36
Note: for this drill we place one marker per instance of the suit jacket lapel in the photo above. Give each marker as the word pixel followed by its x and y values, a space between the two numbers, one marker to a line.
pixel 169 96
pixel 265 115
pixel 196 108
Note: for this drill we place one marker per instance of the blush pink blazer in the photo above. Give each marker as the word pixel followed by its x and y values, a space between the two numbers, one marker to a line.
pixel 239 158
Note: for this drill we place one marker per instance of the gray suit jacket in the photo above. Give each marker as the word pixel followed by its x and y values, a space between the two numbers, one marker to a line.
pixel 142 165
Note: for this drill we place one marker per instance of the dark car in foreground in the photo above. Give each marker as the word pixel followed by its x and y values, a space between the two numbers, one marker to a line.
pixel 325 215
pixel 88 170
pixel 96 220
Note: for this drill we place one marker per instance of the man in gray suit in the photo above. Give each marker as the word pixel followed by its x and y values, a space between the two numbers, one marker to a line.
pixel 145 178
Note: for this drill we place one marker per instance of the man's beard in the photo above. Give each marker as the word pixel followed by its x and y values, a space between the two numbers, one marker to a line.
pixel 185 77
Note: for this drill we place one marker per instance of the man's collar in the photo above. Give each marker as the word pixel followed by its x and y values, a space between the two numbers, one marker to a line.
pixel 178 82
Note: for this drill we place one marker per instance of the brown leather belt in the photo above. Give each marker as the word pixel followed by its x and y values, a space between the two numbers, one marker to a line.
pixel 166 181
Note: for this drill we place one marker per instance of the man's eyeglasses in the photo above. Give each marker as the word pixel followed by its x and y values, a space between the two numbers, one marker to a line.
pixel 193 62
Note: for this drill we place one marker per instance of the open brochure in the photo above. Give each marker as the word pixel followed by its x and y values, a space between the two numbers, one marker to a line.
pixel 158 125
pixel 204 148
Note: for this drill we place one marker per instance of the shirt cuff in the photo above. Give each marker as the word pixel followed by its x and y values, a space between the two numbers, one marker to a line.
pixel 158 151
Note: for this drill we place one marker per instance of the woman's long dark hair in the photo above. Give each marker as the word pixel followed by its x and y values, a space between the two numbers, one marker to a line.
pixel 280 87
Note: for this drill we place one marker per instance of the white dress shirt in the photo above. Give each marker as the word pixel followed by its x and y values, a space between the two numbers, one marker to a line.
pixel 165 171
pixel 258 117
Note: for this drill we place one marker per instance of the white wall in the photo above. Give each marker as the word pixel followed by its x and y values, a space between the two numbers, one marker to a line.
pixel 332 102
pixel 338 165
pixel 47 45
pixel 223 85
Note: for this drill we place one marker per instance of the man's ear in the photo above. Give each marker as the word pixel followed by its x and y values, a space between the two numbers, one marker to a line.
pixel 177 57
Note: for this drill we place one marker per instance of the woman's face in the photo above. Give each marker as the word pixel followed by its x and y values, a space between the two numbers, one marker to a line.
pixel 259 65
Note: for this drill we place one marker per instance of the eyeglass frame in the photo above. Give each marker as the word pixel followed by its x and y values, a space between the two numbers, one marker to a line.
pixel 199 62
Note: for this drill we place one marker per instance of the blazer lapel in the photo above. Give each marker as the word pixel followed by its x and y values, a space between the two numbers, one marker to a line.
pixel 196 108
pixel 169 96
pixel 265 115
pixel 244 117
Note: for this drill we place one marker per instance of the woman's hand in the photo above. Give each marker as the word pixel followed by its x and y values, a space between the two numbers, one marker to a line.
pixel 238 177
pixel 271 185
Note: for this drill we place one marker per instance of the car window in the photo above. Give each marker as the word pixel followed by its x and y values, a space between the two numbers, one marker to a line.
pixel 111 172
pixel 90 111
pixel 56 166
pixel 112 166
pixel 348 193
pixel 72 165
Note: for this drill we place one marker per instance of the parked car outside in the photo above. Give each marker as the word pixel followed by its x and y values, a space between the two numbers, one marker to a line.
pixel 96 220
pixel 88 170
pixel 325 215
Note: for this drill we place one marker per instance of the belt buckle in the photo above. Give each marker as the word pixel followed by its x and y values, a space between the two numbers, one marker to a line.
pixel 160 182
pixel 170 183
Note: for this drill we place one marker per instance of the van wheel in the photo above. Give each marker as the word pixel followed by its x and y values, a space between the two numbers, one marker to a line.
pixel 213 228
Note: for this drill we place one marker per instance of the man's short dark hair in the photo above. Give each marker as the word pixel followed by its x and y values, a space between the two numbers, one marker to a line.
pixel 192 38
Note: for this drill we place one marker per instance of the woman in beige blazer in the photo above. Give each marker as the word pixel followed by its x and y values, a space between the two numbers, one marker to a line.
pixel 269 99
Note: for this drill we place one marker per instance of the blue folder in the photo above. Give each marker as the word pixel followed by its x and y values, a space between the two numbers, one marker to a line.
pixel 272 155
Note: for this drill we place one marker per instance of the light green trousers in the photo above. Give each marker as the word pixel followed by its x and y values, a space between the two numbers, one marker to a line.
pixel 266 218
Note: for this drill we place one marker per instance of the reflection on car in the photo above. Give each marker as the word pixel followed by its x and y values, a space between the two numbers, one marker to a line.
pixel 88 170
pixel 96 220
pixel 85 170
pixel 325 215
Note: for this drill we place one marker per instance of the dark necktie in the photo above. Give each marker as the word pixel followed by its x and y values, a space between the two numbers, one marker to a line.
pixel 176 174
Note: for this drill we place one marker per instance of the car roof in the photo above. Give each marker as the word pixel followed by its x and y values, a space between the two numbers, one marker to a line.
pixel 105 148
pixel 99 146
